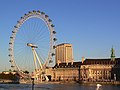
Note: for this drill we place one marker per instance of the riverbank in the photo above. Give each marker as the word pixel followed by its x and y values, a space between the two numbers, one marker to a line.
pixel 59 82
pixel 8 82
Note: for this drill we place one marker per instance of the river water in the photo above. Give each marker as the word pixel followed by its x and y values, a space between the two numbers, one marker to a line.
pixel 57 87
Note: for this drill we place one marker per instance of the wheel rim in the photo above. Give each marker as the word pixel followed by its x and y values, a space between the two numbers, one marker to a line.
pixel 36 28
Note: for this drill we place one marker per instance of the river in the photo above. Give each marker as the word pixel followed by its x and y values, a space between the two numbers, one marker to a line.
pixel 52 86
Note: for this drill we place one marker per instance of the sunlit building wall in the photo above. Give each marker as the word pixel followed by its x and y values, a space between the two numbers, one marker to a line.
pixel 64 53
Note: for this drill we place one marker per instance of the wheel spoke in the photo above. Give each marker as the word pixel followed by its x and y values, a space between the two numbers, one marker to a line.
pixel 31 38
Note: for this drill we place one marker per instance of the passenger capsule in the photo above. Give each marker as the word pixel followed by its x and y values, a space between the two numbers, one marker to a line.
pixel 46 16
pixel 34 11
pixel 52 25
pixel 53 54
pixel 42 13
pixel 54 47
pixel 50 20
pixel 15 27
pixel 10 61
pixel 55 39
pixel 38 11
pixel 11 37
pixel 54 32
pixel 12 66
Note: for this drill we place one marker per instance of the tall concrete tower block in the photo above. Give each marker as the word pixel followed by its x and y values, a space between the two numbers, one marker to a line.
pixel 64 53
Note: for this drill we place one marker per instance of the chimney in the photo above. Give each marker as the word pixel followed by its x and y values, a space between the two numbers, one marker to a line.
pixel 83 59
pixel 58 62
pixel 72 63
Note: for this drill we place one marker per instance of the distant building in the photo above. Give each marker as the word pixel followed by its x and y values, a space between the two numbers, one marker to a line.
pixel 92 70
pixel 66 71
pixel 64 53
pixel 100 70
pixel 9 77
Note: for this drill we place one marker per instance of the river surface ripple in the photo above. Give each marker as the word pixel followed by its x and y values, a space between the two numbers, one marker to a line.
pixel 57 87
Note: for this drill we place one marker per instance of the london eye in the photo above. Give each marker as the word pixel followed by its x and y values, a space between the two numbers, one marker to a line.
pixel 32 43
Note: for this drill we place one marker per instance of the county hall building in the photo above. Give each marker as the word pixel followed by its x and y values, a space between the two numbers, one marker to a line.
pixel 66 69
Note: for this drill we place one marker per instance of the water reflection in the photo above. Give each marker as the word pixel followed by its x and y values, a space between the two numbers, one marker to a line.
pixel 98 87
pixel 58 87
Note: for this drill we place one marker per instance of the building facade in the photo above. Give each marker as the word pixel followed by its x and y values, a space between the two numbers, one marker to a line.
pixel 64 53
pixel 90 70
pixel 66 71
pixel 100 70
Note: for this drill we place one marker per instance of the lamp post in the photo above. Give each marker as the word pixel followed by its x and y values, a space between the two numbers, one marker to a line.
pixel 32 83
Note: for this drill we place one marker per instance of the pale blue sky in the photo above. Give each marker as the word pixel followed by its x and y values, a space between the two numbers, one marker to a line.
pixel 91 26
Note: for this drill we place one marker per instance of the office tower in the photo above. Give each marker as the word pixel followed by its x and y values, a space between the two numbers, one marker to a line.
pixel 64 53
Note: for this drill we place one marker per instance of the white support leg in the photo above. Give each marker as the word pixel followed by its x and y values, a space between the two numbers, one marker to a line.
pixel 38 59
pixel 34 57
pixel 40 68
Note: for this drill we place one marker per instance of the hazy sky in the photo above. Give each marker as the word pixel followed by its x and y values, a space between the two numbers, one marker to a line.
pixel 91 26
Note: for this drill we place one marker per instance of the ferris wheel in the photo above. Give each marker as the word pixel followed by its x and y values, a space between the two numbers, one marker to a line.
pixel 32 43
